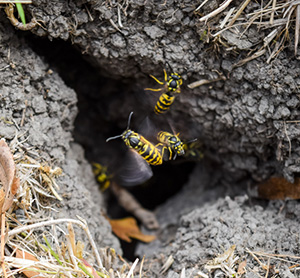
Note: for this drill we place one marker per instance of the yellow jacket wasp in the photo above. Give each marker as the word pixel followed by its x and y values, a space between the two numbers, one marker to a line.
pixel 170 89
pixel 172 141
pixel 138 171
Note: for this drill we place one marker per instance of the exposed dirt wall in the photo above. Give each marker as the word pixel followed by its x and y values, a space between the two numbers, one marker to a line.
pixel 39 108
pixel 245 119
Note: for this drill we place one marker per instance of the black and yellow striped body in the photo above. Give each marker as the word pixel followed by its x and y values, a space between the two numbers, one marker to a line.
pixel 163 104
pixel 170 89
pixel 172 141
pixel 102 176
pixel 143 147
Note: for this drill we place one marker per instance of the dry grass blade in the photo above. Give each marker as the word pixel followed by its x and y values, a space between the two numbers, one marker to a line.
pixel 273 11
pixel 132 268
pixel 297 27
pixel 258 53
pixel 216 11
pixel 279 16
pixel 238 13
pixel 59 221
pixel 167 265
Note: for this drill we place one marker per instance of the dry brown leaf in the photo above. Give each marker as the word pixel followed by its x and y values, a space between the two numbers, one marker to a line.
pixel 25 255
pixel 7 174
pixel 15 185
pixel 127 228
pixel 278 188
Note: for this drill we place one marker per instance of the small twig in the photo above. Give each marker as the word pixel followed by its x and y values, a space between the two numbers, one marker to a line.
pixel 5 67
pixel 128 202
pixel 273 11
pixel 216 11
pixel 206 81
pixel 224 21
pixel 258 53
pixel 238 13
pixel 204 2
pixel 114 25
pixel 119 16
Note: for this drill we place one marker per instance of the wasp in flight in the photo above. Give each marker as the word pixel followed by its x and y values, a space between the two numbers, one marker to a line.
pixel 142 148
pixel 140 144
pixel 170 88
pixel 173 143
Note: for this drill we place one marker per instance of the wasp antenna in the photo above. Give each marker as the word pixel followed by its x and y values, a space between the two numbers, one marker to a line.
pixel 129 119
pixel 112 138
pixel 191 141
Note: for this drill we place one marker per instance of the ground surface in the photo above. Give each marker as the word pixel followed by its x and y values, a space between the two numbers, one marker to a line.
pixel 247 123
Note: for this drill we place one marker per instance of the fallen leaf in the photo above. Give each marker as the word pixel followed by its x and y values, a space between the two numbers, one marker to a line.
pixel 7 175
pixel 25 255
pixel 278 188
pixel 127 228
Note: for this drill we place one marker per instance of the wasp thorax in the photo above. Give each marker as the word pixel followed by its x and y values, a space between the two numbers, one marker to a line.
pixel 126 134
pixel 173 84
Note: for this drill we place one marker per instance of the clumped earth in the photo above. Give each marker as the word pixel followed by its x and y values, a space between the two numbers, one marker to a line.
pixel 248 122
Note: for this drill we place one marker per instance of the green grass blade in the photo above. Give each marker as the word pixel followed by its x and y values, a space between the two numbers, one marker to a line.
pixel 21 13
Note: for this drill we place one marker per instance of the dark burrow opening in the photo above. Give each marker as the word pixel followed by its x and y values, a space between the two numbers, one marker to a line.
pixel 104 105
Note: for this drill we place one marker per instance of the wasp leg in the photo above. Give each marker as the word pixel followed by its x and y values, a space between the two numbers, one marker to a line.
pixel 163 148
pixel 166 76
pixel 159 82
pixel 154 90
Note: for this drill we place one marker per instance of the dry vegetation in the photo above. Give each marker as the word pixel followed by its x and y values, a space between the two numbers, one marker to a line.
pixel 260 27
pixel 47 247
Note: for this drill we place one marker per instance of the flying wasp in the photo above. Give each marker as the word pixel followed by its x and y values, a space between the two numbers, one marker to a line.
pixel 170 88
pixel 173 143
pixel 141 148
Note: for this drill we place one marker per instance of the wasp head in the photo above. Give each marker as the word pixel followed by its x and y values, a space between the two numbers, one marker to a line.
pixel 176 144
pixel 131 138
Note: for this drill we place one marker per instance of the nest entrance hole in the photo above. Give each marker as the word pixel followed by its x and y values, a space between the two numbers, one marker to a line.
pixel 93 126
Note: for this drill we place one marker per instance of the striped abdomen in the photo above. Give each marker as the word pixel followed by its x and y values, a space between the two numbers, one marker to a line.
pixel 163 104
pixel 150 153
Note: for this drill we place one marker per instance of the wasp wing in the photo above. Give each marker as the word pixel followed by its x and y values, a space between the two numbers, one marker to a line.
pixel 134 170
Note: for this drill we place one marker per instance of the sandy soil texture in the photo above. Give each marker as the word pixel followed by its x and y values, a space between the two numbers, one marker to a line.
pixel 91 60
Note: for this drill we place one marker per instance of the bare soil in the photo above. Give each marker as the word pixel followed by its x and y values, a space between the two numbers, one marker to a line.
pixel 248 123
